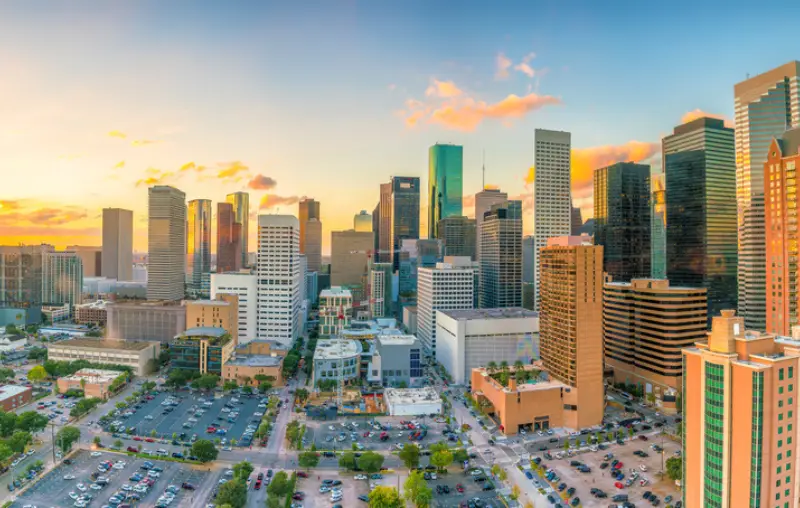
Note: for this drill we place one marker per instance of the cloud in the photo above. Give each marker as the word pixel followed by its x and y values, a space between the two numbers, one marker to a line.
pixel 261 182
pixel 273 200
pixel 154 177
pixel 192 166
pixel 231 170
pixel 54 216
pixel 466 115
pixel 119 165
pixel 143 142
pixel 502 64
pixel 443 89
pixel 117 134
pixel 529 176
pixel 698 113
pixel 524 66
pixel 9 205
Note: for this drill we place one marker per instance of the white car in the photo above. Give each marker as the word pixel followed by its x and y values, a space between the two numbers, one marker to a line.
pixel 95 454
pixel 643 467
pixel 30 452
pixel 336 497
pixel 226 410
pixel 69 476
pixel 539 433
pixel 208 404
pixel 149 417
pixel 81 487
pixel 73 495
pixel 153 474
pixel 360 477
pixel 95 486
pixel 126 488
pixel 226 448
pixel 119 465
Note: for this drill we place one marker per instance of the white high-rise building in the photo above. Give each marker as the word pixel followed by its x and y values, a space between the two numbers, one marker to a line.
pixel 62 278
pixel 166 240
pixel 552 202
pixel 278 270
pixel 446 286
pixel 245 287
pixel 117 256
pixel 766 105
pixel 484 200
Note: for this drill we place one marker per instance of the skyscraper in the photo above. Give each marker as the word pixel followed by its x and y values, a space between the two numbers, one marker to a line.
pixel 198 242
pixel 766 105
pixel 552 202
pixel 622 219
pixel 658 226
pixel 780 214
pixel 62 278
pixel 404 214
pixel 309 209
pixel 700 175
pixel 117 257
pixel 241 210
pixel 501 257
pixel 278 278
pixel 91 258
pixel 21 275
pixel 362 222
pixel 571 324
pixel 166 241
pixel 229 237
pixel 484 200
pixel 313 235
pixel 458 236
pixel 350 251
pixel 383 253
pixel 445 286
pixel 445 184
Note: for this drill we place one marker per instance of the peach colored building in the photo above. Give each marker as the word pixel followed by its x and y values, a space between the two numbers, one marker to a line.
pixel 258 356
pixel 780 216
pixel 571 325
pixel 740 418
pixel 95 383
pixel 220 313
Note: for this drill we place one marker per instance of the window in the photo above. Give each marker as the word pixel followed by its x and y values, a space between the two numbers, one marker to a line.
pixel 791 372
pixel 780 374
pixel 780 390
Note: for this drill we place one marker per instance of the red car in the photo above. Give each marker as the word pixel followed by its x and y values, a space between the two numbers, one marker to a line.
pixel 150 440
pixel 643 438
pixel 257 486
pixel 137 438
pixel 298 496
pixel 132 449
pixel 302 474
pixel 366 434
pixel 460 488
pixel 619 485
pixel 618 465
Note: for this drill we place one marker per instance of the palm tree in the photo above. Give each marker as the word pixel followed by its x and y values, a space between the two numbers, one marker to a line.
pixel 518 365
pixel 491 367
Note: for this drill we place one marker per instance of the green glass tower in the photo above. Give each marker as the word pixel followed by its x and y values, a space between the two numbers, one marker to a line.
pixel 445 184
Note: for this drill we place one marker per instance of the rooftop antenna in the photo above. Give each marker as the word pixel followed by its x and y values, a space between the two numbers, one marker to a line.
pixel 483 183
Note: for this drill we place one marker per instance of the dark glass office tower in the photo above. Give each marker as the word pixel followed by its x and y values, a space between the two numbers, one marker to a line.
pixel 404 210
pixel 501 257
pixel 445 184
pixel 622 219
pixel 700 175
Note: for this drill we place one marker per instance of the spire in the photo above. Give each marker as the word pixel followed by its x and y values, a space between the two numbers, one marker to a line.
pixel 483 179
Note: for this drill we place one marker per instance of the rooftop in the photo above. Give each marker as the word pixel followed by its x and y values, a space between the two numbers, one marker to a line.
pixel 8 391
pixel 336 291
pixel 124 345
pixel 397 340
pixel 203 331
pixel 255 361
pixel 210 303
pixel 424 395
pixel 99 305
pixel 94 376
pixel 504 313
pixel 331 349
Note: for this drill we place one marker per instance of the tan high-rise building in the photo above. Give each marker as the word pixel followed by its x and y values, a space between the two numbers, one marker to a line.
pixel 349 258
pixel 166 243
pixel 780 218
pixel 229 239
pixel 571 324
pixel 313 243
pixel 220 313
pixel 117 257
pixel 91 257
pixel 241 211
pixel 740 418
pixel 646 323
pixel 308 209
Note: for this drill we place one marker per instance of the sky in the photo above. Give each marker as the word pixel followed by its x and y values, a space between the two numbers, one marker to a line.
pixel 328 99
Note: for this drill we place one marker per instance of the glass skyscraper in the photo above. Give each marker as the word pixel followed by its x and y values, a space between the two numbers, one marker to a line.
pixel 241 211
pixel 198 243
pixel 404 210
pixel 445 184
pixel 700 173
pixel 658 226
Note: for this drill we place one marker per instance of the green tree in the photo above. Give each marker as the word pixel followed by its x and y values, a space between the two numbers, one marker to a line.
pixel 442 459
pixel 495 470
pixel 32 422
pixel 242 470
pixel 308 459
pixel 385 497
pixel 118 444
pixel 229 385
pixel 491 367
pixel 460 455
pixel 261 378
pixel 264 387
pixel 518 365
pixel 566 444
pixel 153 433
pixel 97 441
pixel 301 394
pixel 5 451
pixel 514 492
pixel 675 468
pixel 630 432
pixel 19 440
pixel 679 429
pixel 204 450
pixel 279 486
pixel 8 423
pixel 6 374
pixel 651 398
pixel 348 461
pixel 416 490
pixel 502 475
pixel 208 381
pixel 37 374
pixel 410 455
pixel 66 437
pixel 233 493
pixel 370 462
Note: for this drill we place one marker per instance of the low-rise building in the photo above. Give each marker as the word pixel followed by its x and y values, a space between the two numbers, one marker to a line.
pixel 471 338
pixel 335 308
pixel 12 342
pixel 141 356
pixel 257 357
pixel 400 360
pixel 220 313
pixel 332 355
pixel 56 313
pixel 152 320
pixel 204 349
pixel 245 286
pixel 14 396
pixel 92 313
pixel 412 401
pixel 94 382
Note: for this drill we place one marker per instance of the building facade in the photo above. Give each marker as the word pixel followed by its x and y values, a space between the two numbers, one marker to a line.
pixel 204 350
pixel 458 236
pixel 350 252
pixel 278 278
pixel 256 358
pixel 484 200
pixel 445 184
pixel 445 286
pixel 313 244
pixel 362 222
pixel 245 287
pixel 117 256
pixel 148 321
pixel 229 238
pixel 138 355
pixel 335 309
pixel 335 356
pixel 501 257
pixel 622 219
pixel 166 243
pixel 241 210
pixel 700 174
pixel 380 290
pixel 62 278
pixel 21 275
pixel 221 313
pixel 309 209
pixel 571 325
pixel 94 383
pixel 198 242
pixel 658 226
pixel 91 258
pixel 404 214
pixel 14 396
pixel 552 202
pixel 469 339
pixel 646 323
pixel 91 313
pixel 383 235
pixel 400 359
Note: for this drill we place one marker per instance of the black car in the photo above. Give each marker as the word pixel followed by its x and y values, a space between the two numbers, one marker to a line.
pixel 364 498
pixel 570 491
pixel 488 486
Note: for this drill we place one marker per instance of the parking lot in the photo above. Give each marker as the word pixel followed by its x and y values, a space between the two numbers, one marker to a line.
pixel 347 431
pixel 351 490
pixel 126 478
pixel 600 477
pixel 472 490
pixel 187 414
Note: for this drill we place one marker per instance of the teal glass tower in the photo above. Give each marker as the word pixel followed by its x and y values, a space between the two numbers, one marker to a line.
pixel 445 184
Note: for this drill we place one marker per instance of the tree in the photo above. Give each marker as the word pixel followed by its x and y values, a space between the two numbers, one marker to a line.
pixel 242 470
pixel 153 433
pixel 5 451
pixel 495 470
pixel 37 374
pixel 515 492
pixel 679 429
pixel 6 373
pixel 492 367
pixel 37 353
pixel 204 450
pixel 32 422
pixel 279 486
pixel 19 440
pixel 233 493
pixel 675 468
pixel 442 459
pixel 651 398
pixel 8 422
pixel 66 437
pixel 410 455
pixel 301 394
pixel 417 491
pixel 308 459
pixel 518 365
pixel 630 432
pixel 261 378
pixel 264 387
pixel 229 385
pixel 208 381
pixel 502 475
pixel 118 444
pixel 385 497
pixel 370 462
pixel 97 441
pixel 348 461
pixel 566 444
pixel 460 455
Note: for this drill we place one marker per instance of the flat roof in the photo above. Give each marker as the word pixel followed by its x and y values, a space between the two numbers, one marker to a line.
pixel 124 345
pixel 210 303
pixel 331 349
pixel 425 395
pixel 94 375
pixel 8 391
pixel 203 331
pixel 99 304
pixel 396 339
pixel 335 291
pixel 501 313
pixel 255 361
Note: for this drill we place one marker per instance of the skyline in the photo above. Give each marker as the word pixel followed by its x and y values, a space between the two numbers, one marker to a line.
pixel 85 126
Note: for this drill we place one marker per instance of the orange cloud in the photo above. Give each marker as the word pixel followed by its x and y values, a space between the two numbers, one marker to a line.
pixel 261 182
pixel 9 205
pixel 231 170
pixel 273 200
pixel 155 177
pixel 529 176
pixel 502 64
pixel 119 165
pixel 698 113
pixel 117 134
pixel 191 165
pixel 468 114
pixel 524 66
pixel 55 216
pixel 443 89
